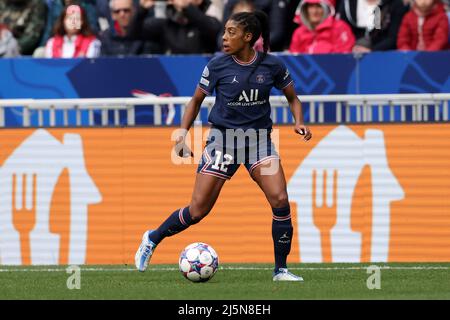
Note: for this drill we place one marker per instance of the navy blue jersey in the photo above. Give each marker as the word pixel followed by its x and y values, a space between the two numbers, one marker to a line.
pixel 242 92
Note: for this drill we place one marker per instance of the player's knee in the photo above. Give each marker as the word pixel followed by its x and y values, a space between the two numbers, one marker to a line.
pixel 196 218
pixel 198 213
pixel 279 200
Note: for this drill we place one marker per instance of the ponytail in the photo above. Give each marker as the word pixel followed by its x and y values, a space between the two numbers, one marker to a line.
pixel 265 28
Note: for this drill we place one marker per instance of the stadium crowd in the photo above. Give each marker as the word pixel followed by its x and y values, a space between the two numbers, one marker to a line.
pixel 47 28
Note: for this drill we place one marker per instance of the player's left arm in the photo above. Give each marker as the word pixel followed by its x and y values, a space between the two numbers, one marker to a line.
pixel 297 112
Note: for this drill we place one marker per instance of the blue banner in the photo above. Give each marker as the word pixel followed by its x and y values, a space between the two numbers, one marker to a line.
pixel 379 72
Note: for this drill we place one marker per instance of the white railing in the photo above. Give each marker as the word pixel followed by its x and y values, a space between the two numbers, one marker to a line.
pixel 360 105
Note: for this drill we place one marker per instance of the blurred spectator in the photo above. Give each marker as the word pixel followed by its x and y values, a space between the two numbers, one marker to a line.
pixel 292 22
pixel 102 7
pixel 424 27
pixel 242 6
pixel 115 41
pixel 55 7
pixel 375 23
pixel 185 27
pixel 73 37
pixel 26 20
pixel 277 12
pixel 8 45
pixel 319 31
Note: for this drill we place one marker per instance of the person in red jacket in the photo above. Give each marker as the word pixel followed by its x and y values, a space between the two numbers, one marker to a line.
pixel 424 27
pixel 320 31
pixel 73 36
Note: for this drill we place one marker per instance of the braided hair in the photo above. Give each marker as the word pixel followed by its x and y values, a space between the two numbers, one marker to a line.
pixel 256 23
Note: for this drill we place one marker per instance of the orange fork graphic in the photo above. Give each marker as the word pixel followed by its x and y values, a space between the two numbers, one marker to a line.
pixel 324 217
pixel 24 219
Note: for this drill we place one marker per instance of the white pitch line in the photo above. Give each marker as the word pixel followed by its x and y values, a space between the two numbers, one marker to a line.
pixel 227 268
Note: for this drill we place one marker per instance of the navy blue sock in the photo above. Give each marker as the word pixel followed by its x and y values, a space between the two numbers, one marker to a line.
pixel 178 221
pixel 281 235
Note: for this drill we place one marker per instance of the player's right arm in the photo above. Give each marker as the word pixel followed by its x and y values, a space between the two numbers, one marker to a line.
pixel 192 109
pixel 190 114
pixel 205 87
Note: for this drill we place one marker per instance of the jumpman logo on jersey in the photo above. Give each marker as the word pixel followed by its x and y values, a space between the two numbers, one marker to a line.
pixel 234 80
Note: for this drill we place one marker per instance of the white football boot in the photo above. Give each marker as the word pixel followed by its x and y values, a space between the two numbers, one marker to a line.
pixel 284 275
pixel 144 253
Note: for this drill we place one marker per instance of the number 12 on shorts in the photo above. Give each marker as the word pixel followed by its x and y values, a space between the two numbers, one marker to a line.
pixel 223 164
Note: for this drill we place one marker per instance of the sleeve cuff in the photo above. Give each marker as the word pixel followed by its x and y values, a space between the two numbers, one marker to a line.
pixel 289 83
pixel 203 90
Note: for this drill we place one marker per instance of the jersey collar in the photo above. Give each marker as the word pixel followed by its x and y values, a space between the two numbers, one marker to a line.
pixel 246 63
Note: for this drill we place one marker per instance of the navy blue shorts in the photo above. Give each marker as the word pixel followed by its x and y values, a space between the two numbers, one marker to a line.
pixel 222 156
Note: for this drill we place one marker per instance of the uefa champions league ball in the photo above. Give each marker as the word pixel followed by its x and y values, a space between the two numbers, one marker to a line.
pixel 198 262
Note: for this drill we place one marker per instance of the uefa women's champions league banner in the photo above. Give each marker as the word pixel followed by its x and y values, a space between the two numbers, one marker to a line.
pixel 358 194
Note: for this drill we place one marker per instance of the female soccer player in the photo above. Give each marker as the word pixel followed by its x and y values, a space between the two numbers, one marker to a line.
pixel 242 78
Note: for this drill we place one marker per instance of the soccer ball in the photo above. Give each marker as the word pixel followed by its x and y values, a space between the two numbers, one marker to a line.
pixel 198 262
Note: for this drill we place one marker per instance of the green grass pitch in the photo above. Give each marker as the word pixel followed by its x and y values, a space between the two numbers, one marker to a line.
pixel 231 282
